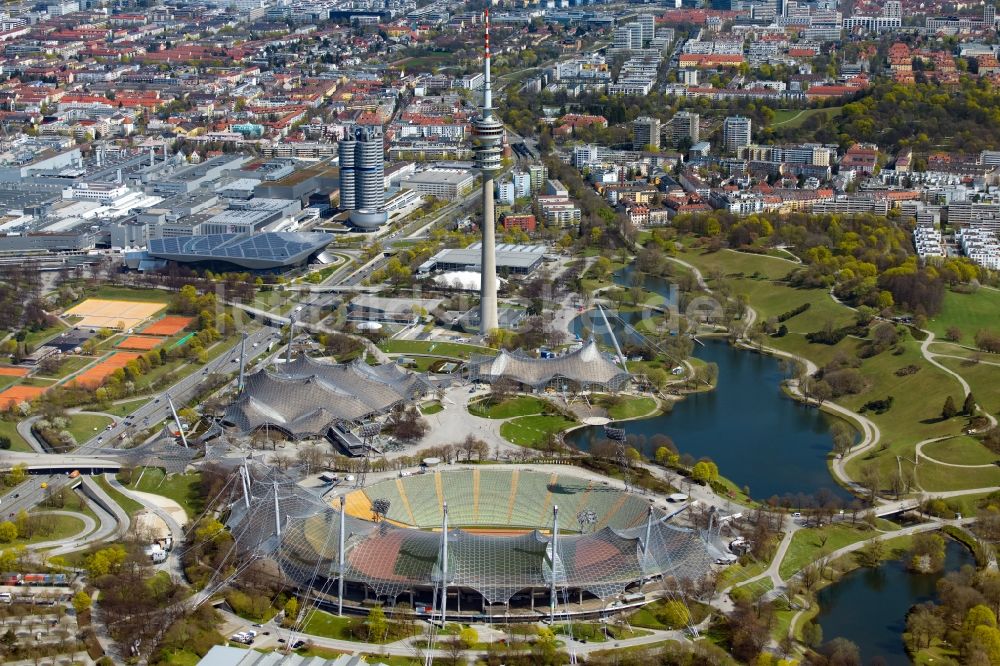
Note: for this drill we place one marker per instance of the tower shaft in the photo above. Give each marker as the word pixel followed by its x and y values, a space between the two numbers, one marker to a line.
pixel 489 318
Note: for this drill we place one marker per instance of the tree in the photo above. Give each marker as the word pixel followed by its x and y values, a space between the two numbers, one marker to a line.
pixel 988 639
pixel 8 531
pixel 81 602
pixel 674 615
pixel 812 634
pixel 378 626
pixel 843 437
pixel 924 625
pixel 949 410
pixel 468 636
pixel 291 609
pixel 5 442
pixel 979 615
pixel 705 471
pixel 380 507
pixel 969 406
pixel 953 334
pixel 842 652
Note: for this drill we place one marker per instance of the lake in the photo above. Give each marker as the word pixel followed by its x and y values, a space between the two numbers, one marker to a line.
pixel 868 606
pixel 755 434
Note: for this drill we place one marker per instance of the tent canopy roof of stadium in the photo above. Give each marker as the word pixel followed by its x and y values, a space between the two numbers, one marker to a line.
pixel 586 365
pixel 305 396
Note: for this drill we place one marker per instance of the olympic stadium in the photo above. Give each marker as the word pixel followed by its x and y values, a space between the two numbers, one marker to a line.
pixel 508 551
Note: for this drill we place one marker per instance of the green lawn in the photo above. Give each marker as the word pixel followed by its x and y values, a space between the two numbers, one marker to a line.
pixel 807 545
pixel 6 381
pixel 34 338
pixel 321 623
pixel 17 443
pixel 327 625
pixel 69 365
pixel 908 421
pixel 132 294
pixel 532 431
pixel 180 658
pixel 429 408
pixel 521 405
pixel 961 450
pixel 182 488
pixel 969 312
pixel 983 378
pixel 757 588
pixel 632 406
pixel 62 527
pixel 450 349
pixel 940 478
pixel 130 506
pixel 126 408
pixel 737 573
pixel 85 426
pixel 793 118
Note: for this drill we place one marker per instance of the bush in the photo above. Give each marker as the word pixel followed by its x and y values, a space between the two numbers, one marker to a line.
pixel 785 316
pixel 674 615
pixel 256 607
pixel 877 406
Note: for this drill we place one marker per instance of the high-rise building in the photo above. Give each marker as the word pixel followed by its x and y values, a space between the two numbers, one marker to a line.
pixel 685 125
pixel 736 133
pixel 645 132
pixel 362 177
pixel 538 174
pixel 989 15
pixel 628 36
pixel 648 24
pixel 487 133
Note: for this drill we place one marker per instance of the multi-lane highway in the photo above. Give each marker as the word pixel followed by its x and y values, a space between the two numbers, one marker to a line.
pixel 31 492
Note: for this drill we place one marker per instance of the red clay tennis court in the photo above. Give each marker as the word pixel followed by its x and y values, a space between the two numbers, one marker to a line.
pixel 8 371
pixel 169 325
pixel 95 376
pixel 15 395
pixel 140 342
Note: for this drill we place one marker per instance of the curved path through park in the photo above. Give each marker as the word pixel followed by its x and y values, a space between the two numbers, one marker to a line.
pixel 930 358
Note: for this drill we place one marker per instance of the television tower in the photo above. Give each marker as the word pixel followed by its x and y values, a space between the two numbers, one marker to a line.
pixel 487 135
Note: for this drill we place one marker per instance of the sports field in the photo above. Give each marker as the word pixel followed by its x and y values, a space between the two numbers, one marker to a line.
pixel 8 371
pixel 120 315
pixel 169 325
pixel 141 342
pixel 95 376
pixel 15 395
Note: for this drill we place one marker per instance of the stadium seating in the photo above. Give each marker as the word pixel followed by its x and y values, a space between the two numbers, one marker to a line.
pixel 492 498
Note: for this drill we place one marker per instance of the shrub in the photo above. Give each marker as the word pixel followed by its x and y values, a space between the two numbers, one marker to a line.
pixel 785 316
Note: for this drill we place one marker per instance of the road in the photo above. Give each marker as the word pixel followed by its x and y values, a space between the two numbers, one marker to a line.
pixel 30 493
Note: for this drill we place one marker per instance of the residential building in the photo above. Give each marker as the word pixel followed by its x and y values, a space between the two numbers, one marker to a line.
pixel 736 133
pixel 645 132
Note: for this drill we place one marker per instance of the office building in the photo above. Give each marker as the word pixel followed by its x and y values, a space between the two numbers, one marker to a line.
pixel 645 132
pixel 441 183
pixel 362 177
pixel 736 133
